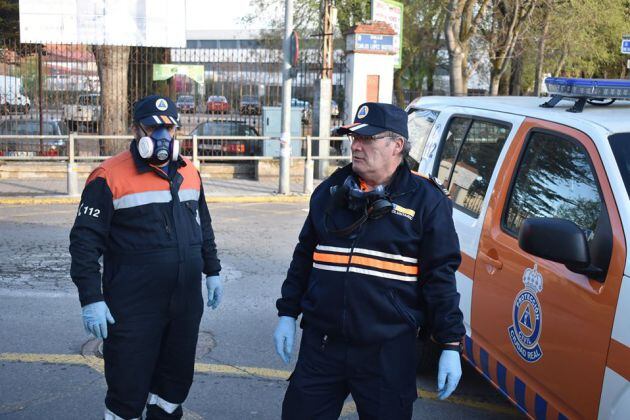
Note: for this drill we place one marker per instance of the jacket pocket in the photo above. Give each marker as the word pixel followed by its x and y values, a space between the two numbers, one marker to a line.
pixel 167 226
pixel 402 311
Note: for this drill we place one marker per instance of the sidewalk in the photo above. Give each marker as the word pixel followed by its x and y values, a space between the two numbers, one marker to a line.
pixel 53 191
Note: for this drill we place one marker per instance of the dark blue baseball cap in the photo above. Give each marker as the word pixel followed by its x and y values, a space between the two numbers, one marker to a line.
pixel 374 118
pixel 155 110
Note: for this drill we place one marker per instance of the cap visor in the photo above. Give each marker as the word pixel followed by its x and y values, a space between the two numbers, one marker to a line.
pixel 360 129
pixel 152 120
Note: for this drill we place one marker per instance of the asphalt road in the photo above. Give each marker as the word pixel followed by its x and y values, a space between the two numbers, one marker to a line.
pixel 50 369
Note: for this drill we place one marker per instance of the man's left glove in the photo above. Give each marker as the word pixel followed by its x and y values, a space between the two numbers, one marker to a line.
pixel 449 373
pixel 95 318
pixel 215 291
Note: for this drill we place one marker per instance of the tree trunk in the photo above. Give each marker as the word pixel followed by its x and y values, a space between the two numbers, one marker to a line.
pixel 113 63
pixel 456 70
pixel 540 55
pixel 504 82
pixel 516 76
pixel 495 79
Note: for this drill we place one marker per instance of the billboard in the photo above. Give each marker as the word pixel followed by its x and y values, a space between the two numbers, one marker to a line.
pixel 145 23
pixel 391 11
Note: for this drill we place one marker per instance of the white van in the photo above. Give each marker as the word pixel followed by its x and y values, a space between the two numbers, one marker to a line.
pixel 542 210
pixel 12 96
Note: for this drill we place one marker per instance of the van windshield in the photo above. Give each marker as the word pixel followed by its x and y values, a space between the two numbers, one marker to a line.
pixel 620 144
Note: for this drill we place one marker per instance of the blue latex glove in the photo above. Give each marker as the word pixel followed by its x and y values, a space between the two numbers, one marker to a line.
pixel 215 291
pixel 95 318
pixel 449 373
pixel 284 336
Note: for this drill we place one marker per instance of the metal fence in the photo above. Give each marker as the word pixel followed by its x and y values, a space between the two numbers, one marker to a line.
pixel 68 151
pixel 56 89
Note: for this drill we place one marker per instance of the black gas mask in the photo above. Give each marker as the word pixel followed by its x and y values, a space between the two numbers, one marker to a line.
pixel 369 204
pixel 159 147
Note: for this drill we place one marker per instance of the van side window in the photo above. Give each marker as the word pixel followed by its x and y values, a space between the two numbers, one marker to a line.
pixel 474 146
pixel 554 179
pixel 455 136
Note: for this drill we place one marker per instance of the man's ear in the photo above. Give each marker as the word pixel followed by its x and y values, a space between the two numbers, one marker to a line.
pixel 399 143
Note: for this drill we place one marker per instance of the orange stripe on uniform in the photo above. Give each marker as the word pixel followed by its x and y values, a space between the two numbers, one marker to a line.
pixel 384 265
pixel 330 258
pixel 165 119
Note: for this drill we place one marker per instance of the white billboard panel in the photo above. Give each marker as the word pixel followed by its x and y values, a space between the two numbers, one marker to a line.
pixel 391 11
pixel 146 23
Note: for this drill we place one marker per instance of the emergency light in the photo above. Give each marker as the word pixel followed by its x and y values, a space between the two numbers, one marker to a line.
pixel 593 91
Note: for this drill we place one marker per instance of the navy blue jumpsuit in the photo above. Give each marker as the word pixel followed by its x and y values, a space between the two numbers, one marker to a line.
pixel 155 236
pixel 363 297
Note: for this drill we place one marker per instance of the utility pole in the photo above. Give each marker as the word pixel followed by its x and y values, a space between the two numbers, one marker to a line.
pixel 285 136
pixel 323 92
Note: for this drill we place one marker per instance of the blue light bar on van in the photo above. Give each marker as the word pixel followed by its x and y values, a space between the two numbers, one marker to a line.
pixel 589 88
pixel 593 91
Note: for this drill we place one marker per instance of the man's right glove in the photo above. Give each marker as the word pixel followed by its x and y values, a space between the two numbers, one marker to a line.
pixel 95 318
pixel 284 337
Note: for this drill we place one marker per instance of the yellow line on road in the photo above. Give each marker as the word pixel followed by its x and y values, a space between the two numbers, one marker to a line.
pixel 219 369
pixel 297 198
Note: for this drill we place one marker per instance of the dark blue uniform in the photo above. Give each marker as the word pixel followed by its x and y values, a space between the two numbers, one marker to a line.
pixel 363 297
pixel 155 235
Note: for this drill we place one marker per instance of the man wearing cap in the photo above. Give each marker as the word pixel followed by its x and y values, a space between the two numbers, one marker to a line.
pixel 375 261
pixel 144 212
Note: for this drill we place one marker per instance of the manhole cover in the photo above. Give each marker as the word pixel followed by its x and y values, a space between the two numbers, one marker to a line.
pixel 205 344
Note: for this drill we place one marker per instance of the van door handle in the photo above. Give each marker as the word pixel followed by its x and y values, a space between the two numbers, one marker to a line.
pixel 491 261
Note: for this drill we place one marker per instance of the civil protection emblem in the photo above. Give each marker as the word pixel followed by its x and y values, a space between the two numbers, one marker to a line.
pixel 527 317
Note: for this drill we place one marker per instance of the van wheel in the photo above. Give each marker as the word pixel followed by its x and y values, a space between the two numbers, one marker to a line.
pixel 427 353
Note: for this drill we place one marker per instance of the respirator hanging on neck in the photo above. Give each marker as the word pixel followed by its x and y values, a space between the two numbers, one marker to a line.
pixel 369 204
pixel 159 147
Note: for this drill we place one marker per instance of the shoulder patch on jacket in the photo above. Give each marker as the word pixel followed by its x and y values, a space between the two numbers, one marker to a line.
pixel 434 181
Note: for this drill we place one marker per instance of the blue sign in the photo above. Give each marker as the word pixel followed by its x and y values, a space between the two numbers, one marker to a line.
pixel 374 42
pixel 625 46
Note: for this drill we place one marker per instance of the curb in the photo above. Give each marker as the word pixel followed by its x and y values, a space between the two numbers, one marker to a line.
pixel 294 198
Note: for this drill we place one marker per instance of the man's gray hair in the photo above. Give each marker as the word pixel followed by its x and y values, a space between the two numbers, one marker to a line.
pixel 406 145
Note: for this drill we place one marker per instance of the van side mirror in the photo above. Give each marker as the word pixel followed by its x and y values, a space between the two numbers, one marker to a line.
pixel 558 240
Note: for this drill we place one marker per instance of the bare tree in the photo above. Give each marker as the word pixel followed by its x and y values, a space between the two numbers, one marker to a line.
pixel 508 19
pixel 112 63
pixel 463 20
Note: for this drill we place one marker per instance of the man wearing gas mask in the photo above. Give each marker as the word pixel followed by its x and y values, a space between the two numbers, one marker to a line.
pixel 145 213
pixel 375 261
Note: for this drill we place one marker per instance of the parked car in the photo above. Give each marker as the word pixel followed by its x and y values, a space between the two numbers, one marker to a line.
pixel 32 147
pixel 12 96
pixel 210 147
pixel 217 104
pixel 250 105
pixel 185 104
pixel 85 114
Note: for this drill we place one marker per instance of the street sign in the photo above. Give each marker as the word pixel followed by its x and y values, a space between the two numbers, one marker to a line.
pixel 374 42
pixel 625 46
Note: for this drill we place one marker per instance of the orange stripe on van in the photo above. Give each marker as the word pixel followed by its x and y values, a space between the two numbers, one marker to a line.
pixel 330 258
pixel 619 358
pixel 384 265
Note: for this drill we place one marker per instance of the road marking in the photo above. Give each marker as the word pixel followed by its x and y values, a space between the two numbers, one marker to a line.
pixel 230 370
pixel 296 198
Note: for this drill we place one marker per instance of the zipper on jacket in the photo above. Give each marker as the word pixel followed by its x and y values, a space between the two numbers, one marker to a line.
pixel 345 282
pixel 324 341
